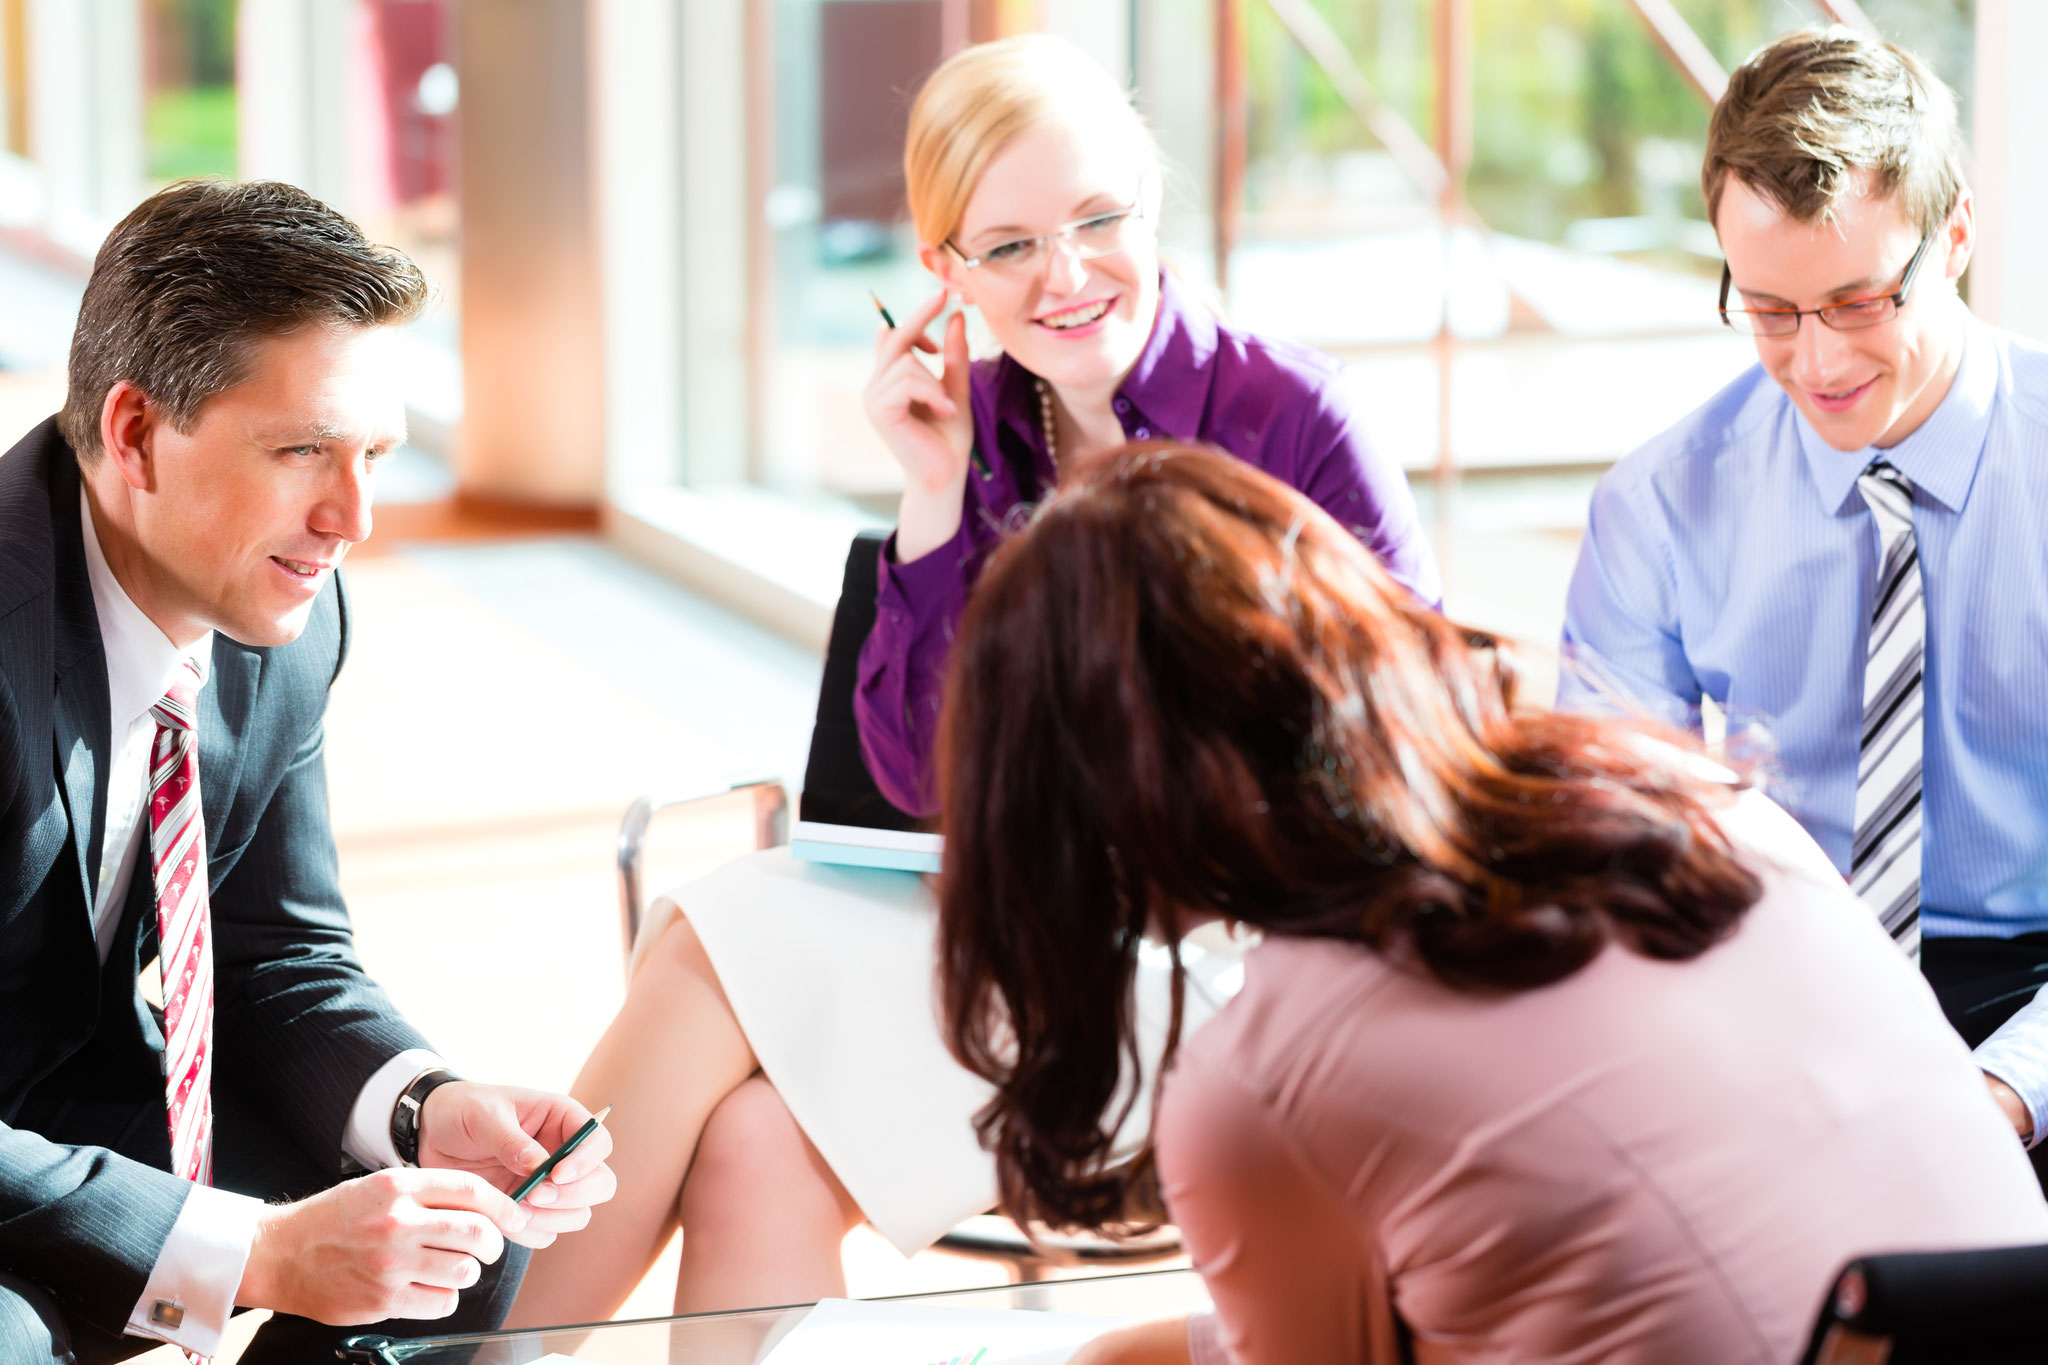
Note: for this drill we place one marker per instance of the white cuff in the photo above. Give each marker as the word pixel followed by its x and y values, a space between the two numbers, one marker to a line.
pixel 368 1138
pixel 2018 1055
pixel 191 1290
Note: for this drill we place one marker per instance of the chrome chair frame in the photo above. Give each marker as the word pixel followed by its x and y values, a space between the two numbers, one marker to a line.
pixel 771 830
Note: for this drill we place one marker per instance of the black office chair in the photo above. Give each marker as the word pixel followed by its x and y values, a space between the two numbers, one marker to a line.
pixel 839 790
pixel 1922 1307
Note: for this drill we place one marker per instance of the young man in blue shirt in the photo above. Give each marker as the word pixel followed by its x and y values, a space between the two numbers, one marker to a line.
pixel 1842 549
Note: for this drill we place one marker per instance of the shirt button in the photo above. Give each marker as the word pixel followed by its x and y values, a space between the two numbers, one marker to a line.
pixel 1123 405
pixel 1143 433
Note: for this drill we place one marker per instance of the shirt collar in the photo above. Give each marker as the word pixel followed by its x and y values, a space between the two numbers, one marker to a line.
pixel 1169 383
pixel 1940 457
pixel 141 660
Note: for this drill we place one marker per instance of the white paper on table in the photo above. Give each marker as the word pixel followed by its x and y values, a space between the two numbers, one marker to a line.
pixel 870 1332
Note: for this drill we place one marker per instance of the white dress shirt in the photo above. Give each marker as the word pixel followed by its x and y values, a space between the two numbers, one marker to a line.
pixel 200 1268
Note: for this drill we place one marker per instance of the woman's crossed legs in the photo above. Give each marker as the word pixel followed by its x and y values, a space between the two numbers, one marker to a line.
pixel 699 1137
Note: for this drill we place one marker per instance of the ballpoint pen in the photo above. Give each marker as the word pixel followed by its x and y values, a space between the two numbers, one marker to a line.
pixel 528 1185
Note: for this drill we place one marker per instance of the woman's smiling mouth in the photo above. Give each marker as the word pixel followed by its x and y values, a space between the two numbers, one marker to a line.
pixel 1078 316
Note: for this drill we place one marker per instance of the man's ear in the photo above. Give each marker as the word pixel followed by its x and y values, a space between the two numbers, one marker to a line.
pixel 128 425
pixel 1961 233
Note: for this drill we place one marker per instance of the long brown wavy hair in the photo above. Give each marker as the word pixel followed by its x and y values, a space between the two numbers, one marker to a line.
pixel 1183 690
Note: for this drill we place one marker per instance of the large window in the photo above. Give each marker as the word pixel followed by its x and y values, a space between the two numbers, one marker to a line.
pixel 1584 132
pixel 400 128
pixel 1562 314
pixel 844 75
pixel 189 70
pixel 1579 284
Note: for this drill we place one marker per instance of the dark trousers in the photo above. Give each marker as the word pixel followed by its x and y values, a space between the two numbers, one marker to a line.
pixel 253 1157
pixel 1981 983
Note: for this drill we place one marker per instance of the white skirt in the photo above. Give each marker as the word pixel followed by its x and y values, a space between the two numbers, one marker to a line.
pixel 831 973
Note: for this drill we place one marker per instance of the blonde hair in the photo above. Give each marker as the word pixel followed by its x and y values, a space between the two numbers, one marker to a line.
pixel 982 97
pixel 1810 110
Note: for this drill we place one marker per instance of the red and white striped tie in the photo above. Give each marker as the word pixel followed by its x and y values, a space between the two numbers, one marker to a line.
pixel 177 841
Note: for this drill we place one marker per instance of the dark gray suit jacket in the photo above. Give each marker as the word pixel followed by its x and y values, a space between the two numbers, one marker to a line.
pixel 298 1026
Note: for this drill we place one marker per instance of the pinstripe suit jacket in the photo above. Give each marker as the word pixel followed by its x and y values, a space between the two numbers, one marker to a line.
pixel 298 1026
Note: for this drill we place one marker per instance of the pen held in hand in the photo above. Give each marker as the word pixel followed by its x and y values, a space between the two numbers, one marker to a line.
pixel 974 449
pixel 532 1182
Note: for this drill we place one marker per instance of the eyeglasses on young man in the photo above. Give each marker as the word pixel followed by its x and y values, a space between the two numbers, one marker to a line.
pixel 1848 316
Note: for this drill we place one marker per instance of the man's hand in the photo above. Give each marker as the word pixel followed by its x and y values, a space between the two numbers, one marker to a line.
pixel 2015 1108
pixel 502 1134
pixel 396 1244
pixel 1163 1341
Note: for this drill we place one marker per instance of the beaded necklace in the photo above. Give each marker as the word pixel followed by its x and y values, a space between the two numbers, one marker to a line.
pixel 1045 422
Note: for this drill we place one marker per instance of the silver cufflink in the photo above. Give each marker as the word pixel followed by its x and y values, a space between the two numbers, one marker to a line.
pixel 167 1314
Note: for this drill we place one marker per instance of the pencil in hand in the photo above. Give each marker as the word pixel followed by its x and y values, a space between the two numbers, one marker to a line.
pixel 974 454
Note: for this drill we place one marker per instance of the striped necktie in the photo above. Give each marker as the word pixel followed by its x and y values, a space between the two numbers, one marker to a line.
pixel 1884 865
pixel 177 841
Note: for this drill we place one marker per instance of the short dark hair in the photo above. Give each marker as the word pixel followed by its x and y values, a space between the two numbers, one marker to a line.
pixel 1807 112
pixel 1185 689
pixel 199 271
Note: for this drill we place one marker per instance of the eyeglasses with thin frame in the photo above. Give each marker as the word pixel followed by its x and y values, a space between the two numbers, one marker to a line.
pixel 1090 238
pixel 1848 316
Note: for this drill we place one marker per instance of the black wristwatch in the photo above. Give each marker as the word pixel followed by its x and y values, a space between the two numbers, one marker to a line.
pixel 405 1115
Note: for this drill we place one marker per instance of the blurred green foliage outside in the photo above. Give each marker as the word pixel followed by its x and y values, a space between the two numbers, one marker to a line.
pixel 1576 112
pixel 189 117
pixel 191 132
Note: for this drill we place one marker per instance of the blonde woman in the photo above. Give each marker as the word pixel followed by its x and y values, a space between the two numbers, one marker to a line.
pixel 777 1066
pixel 1035 190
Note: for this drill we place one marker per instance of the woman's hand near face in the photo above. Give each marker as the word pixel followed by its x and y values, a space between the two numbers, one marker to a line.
pixel 1163 1341
pixel 925 421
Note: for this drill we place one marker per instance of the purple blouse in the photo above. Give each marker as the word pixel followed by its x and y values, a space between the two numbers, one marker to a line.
pixel 1272 404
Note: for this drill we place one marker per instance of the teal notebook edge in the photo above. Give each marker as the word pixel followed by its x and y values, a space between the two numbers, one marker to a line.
pixel 861 855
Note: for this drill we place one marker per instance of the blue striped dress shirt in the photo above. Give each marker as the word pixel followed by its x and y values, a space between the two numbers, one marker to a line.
pixel 1732 557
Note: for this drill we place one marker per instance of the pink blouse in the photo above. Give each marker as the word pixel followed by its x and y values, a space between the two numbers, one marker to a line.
pixel 1646 1162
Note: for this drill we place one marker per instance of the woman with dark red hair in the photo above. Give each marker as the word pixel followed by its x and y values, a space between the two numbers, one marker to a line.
pixel 1562 1041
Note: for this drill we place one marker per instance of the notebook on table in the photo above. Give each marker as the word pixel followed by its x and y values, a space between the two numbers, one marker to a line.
pixel 864 846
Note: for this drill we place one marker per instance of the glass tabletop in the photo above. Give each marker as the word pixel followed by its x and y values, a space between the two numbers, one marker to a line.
pixel 746 1337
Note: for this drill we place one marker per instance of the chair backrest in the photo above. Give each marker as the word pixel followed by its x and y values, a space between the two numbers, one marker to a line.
pixel 1984 1305
pixel 838 789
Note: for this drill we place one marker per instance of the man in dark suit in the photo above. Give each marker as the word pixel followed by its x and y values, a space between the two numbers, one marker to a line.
pixel 191 1055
